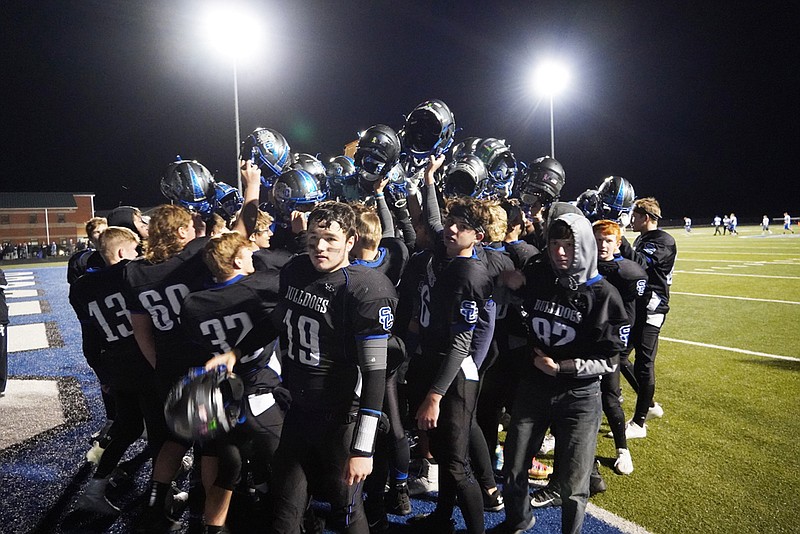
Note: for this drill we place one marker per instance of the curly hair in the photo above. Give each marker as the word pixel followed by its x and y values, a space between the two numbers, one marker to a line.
pixel 475 212
pixel 164 241
pixel 496 229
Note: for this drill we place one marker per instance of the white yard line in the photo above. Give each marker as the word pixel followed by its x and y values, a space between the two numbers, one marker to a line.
pixel 737 274
pixel 731 349
pixel 614 520
pixel 734 298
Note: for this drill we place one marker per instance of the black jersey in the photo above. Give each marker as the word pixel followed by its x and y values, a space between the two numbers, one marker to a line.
pixel 108 343
pixel 82 261
pixel 391 260
pixel 452 292
pixel 520 252
pixel 324 314
pixel 218 318
pixel 268 259
pixel 581 328
pixel 3 305
pixel 158 289
pixel 630 279
pixel 656 252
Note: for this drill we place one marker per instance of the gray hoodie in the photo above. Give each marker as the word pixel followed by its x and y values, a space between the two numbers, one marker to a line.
pixel 584 264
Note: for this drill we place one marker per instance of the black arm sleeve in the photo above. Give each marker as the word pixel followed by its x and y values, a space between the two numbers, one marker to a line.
pixel 452 362
pixel 430 208
pixel 385 216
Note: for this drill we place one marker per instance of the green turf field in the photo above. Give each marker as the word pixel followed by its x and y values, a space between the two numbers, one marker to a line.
pixel 725 456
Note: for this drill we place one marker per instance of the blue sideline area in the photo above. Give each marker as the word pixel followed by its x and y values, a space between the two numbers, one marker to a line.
pixel 41 476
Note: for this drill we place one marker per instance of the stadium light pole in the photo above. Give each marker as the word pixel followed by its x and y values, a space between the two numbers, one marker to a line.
pixel 551 78
pixel 234 31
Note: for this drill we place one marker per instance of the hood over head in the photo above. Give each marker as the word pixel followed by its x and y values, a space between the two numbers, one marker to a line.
pixel 584 264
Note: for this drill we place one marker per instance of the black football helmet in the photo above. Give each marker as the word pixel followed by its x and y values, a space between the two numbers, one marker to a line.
pixel 191 185
pixel 228 200
pixel 203 405
pixel 541 182
pixel 268 149
pixel 377 152
pixel 501 166
pixel 294 189
pixel 312 165
pixel 465 176
pixel 616 198
pixel 428 130
pixel 589 203
pixel 342 179
pixel 466 147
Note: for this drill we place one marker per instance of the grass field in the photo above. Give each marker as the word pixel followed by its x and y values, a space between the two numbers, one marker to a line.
pixel 725 456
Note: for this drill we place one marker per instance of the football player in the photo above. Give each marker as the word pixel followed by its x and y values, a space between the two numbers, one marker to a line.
pixel 112 353
pixel 336 322
pixel 655 250
pixel 89 257
pixel 216 319
pixel 630 279
pixel 453 286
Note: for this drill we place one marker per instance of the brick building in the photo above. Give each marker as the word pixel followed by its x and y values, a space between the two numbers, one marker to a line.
pixel 43 218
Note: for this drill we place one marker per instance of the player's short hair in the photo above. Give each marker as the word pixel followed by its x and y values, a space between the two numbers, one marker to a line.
pixel 559 229
pixel 606 227
pixel 263 221
pixel 113 237
pixel 163 241
pixel 215 224
pixel 368 225
pixel 648 206
pixel 474 212
pixel 332 211
pixel 220 251
pixel 498 222
pixel 93 223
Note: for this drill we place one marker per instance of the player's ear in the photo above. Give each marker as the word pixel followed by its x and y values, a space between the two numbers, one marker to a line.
pixel 479 237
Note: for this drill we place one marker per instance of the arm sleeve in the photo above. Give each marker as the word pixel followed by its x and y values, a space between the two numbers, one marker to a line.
pixel 627 251
pixel 430 208
pixel 452 361
pixel 385 216
pixel 372 361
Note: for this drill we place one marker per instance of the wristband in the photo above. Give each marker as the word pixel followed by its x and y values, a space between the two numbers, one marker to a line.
pixel 378 195
pixel 366 430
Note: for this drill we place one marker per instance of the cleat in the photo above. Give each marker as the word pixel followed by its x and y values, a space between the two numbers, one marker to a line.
pixel 655 412
pixel 548 444
pixel 634 431
pixel 505 528
pixel 596 482
pixel 398 500
pixel 427 481
pixel 545 497
pixel 624 463
pixel 493 502
pixel 94 499
pixel 539 471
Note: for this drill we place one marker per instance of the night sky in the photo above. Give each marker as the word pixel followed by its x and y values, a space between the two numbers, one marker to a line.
pixel 695 105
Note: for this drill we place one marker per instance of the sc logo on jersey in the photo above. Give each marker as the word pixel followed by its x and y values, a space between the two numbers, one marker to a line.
pixel 469 309
pixel 641 285
pixel 386 318
pixel 649 249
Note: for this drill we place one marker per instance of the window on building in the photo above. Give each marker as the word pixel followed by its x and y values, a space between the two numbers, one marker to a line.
pixel 33 218
pixel 62 218
pixel 5 219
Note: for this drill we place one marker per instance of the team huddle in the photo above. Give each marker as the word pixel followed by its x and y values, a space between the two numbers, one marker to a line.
pixel 298 337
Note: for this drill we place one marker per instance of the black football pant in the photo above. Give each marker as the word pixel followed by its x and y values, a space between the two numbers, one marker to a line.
pixel 610 393
pixel 644 369
pixel 314 451
pixel 3 356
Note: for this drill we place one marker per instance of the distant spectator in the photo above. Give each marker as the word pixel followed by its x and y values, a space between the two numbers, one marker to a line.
pixel 687 224
pixel 717 224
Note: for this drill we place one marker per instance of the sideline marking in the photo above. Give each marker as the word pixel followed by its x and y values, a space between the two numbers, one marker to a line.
pixel 732 297
pixel 715 273
pixel 731 349
pixel 27 337
pixel 26 307
pixel 614 520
